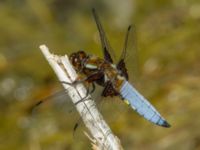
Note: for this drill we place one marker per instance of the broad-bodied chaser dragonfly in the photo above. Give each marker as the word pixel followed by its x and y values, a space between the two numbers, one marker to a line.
pixel 114 78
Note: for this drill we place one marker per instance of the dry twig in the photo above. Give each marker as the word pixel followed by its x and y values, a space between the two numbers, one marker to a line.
pixel 102 136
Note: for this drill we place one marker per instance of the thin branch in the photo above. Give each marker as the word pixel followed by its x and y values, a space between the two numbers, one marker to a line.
pixel 102 135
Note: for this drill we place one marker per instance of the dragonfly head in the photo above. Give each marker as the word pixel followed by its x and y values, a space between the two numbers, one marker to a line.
pixel 77 59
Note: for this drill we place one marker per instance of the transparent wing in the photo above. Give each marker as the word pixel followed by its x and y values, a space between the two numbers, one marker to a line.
pixel 129 55
pixel 62 103
pixel 106 48
pixel 132 56
pixel 121 63
pixel 59 98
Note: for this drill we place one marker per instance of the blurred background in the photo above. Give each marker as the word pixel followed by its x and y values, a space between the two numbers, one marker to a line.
pixel 166 67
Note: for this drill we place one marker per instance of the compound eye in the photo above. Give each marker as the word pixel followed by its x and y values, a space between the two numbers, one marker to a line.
pixel 82 55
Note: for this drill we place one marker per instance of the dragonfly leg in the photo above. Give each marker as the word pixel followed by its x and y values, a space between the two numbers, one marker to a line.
pixel 89 79
pixel 87 93
pixel 93 88
pixel 73 83
pixel 82 100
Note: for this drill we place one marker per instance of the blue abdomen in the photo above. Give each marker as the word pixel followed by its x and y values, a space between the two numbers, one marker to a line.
pixel 141 105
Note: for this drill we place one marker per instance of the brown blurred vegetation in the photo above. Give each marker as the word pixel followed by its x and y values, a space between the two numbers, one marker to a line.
pixel 168 52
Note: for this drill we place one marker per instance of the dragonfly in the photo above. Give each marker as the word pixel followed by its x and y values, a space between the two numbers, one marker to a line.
pixel 114 77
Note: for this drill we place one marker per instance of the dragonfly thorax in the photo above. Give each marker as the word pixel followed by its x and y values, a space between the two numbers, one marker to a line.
pixel 96 69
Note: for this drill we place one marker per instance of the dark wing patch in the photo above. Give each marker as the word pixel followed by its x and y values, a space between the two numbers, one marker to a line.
pixel 107 56
pixel 122 67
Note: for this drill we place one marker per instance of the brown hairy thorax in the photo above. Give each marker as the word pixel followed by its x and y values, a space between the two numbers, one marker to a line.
pixel 97 70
